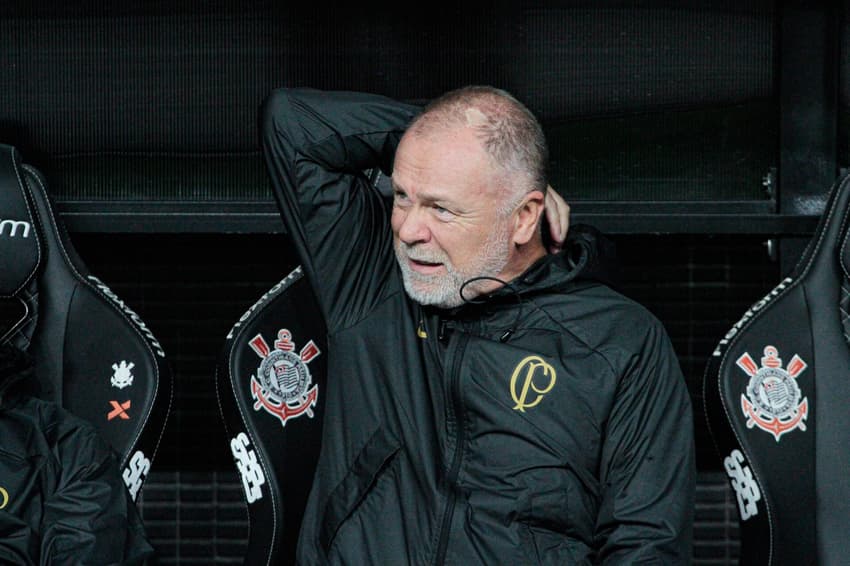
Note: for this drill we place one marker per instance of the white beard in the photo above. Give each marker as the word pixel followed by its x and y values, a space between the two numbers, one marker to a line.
pixel 443 290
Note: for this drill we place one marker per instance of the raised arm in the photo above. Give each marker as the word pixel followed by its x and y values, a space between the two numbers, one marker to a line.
pixel 318 146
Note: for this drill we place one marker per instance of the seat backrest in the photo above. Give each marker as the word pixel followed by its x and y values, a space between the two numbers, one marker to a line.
pixel 270 382
pixel 93 355
pixel 777 399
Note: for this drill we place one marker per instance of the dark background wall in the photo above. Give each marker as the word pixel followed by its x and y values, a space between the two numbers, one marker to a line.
pixel 667 100
pixel 676 127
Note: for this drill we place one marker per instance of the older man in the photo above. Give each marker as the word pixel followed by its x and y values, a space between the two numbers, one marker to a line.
pixel 486 404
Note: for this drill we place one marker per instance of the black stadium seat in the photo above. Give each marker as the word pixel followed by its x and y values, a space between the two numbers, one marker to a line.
pixel 270 383
pixel 777 399
pixel 93 355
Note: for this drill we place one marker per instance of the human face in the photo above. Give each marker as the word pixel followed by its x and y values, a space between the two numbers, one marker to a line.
pixel 445 220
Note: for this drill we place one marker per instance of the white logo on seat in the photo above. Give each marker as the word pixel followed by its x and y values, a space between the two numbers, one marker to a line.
pixel 249 468
pixel 123 375
pixel 746 489
pixel 13 226
pixel 135 472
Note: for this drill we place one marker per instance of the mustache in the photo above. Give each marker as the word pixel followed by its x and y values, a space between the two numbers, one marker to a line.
pixel 419 254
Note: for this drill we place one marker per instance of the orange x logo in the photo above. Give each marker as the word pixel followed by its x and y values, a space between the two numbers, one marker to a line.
pixel 118 410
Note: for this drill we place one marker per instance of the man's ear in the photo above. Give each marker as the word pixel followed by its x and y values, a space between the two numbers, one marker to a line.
pixel 527 218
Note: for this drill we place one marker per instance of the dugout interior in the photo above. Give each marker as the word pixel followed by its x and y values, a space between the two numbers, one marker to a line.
pixel 701 136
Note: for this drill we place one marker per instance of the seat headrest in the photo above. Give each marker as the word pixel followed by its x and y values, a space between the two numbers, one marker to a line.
pixel 827 248
pixel 94 356
pixel 20 253
pixel 776 393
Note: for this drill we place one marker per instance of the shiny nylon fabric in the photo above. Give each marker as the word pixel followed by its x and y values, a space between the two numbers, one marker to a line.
pixel 65 500
pixel 425 457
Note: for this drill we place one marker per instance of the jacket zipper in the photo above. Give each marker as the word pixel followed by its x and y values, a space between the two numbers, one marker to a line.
pixel 457 402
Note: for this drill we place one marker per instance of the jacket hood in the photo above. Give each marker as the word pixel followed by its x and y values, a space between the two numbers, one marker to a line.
pixel 587 256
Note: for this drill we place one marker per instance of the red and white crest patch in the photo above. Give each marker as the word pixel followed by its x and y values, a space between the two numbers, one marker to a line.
pixel 772 399
pixel 282 384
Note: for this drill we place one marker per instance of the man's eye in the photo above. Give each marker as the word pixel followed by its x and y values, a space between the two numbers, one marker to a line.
pixel 442 212
pixel 400 197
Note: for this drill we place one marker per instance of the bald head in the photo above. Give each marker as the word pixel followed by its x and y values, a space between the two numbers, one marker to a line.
pixel 508 131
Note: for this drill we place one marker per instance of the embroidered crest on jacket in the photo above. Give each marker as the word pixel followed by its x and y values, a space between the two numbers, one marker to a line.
pixel 532 379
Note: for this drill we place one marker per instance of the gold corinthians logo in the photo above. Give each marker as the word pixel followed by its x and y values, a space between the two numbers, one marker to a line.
pixel 4 498
pixel 533 377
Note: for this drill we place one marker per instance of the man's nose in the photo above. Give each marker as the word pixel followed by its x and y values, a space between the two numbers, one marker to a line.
pixel 414 227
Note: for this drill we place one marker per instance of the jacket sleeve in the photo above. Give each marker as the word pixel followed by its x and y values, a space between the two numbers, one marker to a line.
pixel 317 146
pixel 648 471
pixel 90 518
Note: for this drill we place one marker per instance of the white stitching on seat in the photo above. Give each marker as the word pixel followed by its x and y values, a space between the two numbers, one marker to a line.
pixel 34 214
pixel 815 251
pixel 283 285
pixel 98 292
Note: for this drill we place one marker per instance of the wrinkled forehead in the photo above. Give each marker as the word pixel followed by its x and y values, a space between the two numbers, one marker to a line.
pixel 450 161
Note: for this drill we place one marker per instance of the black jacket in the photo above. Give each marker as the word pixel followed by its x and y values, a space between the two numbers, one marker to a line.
pixel 548 425
pixel 62 499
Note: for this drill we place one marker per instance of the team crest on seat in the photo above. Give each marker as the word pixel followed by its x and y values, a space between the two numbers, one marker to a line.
pixel 282 384
pixel 772 399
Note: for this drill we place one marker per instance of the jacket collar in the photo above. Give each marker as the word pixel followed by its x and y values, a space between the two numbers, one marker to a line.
pixel 587 258
pixel 552 272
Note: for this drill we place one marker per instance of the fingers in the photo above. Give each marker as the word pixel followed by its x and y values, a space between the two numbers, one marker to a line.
pixel 558 216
